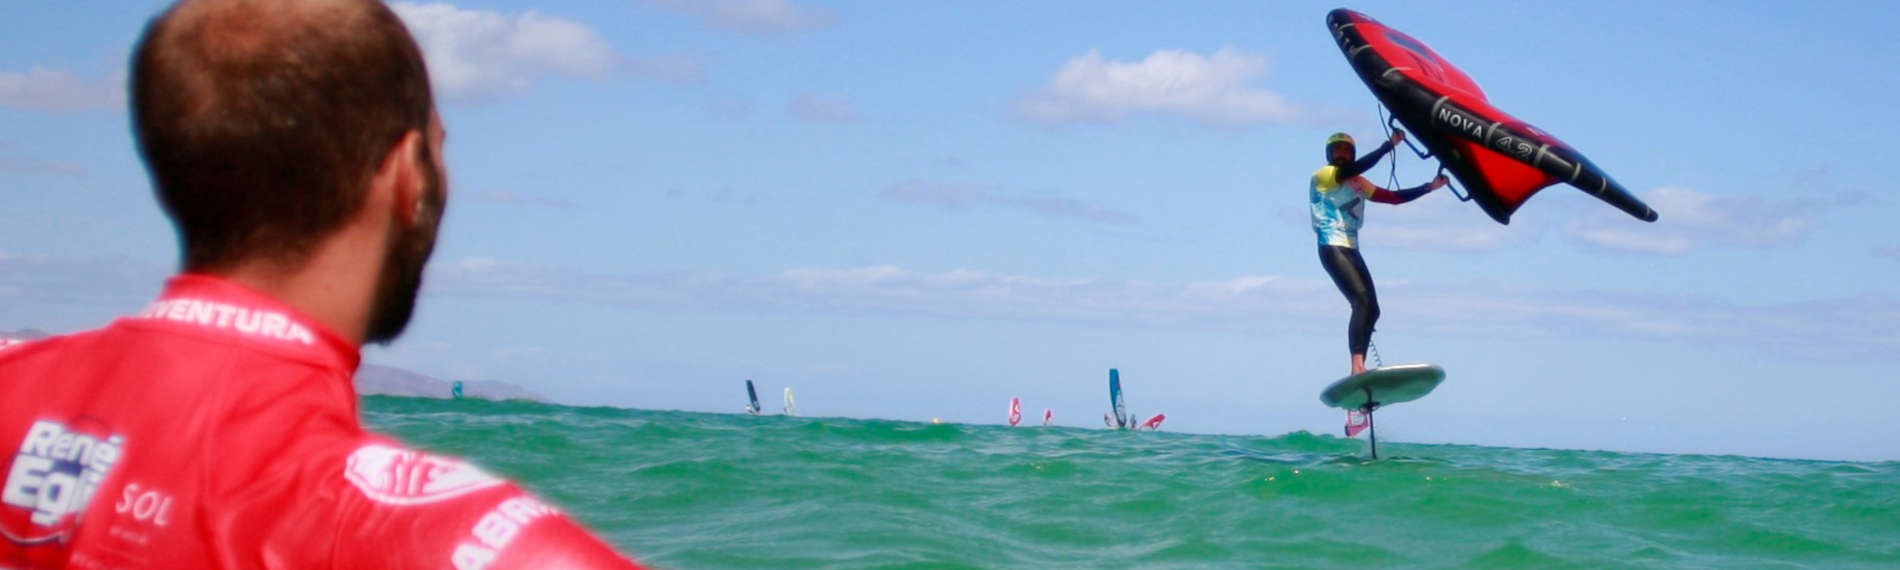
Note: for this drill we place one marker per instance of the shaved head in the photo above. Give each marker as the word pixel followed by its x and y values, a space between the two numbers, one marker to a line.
pixel 262 122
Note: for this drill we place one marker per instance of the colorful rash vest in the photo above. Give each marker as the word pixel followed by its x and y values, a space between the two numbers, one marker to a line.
pixel 1338 208
pixel 218 429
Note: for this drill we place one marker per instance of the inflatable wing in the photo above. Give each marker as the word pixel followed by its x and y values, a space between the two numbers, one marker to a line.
pixel 1500 160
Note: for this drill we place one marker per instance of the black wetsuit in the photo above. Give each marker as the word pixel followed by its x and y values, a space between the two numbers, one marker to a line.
pixel 1349 273
pixel 1343 262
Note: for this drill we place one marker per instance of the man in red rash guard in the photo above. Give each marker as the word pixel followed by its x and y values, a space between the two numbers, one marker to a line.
pixel 296 147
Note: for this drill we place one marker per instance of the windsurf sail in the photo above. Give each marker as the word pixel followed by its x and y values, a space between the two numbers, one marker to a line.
pixel 1120 412
pixel 1153 423
pixel 1048 416
pixel 752 397
pixel 455 389
pixel 1500 160
pixel 1356 421
pixel 1015 411
pixel 791 407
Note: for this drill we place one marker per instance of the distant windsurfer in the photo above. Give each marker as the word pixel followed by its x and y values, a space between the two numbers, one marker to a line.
pixel 1338 194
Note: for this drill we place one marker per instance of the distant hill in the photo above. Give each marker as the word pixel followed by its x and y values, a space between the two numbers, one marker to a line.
pixel 384 380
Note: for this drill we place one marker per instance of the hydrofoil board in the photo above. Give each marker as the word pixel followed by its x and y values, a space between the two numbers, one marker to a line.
pixel 1364 392
pixel 1383 386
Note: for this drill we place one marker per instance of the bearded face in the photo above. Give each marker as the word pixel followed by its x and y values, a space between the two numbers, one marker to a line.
pixel 408 252
pixel 1339 153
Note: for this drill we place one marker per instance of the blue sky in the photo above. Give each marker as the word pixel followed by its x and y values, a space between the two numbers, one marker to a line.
pixel 917 210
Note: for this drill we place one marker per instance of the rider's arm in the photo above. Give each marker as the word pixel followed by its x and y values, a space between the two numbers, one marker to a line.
pixel 1385 196
pixel 1365 163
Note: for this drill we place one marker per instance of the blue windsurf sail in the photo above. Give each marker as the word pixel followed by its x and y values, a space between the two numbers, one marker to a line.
pixel 753 396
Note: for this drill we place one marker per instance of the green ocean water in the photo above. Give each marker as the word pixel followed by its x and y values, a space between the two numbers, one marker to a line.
pixel 695 490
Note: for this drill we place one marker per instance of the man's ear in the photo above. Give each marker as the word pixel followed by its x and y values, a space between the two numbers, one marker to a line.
pixel 402 178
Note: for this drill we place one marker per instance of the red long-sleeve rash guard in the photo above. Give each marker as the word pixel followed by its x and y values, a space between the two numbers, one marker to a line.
pixel 218 429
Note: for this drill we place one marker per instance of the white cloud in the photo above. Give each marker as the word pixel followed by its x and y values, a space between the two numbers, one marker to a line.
pixel 957 197
pixel 1210 89
pixel 1694 220
pixel 823 110
pixel 1438 222
pixel 511 198
pixel 946 196
pixel 42 89
pixel 757 17
pixel 888 289
pixel 477 263
pixel 523 351
pixel 674 68
pixel 728 108
pixel 478 53
pixel 23 165
pixel 1857 327
pixel 67 294
pixel 63 294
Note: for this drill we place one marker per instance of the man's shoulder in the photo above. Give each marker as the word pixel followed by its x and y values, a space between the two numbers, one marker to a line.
pixel 57 363
pixel 1326 178
pixel 17 343
pixel 457 512
pixel 9 341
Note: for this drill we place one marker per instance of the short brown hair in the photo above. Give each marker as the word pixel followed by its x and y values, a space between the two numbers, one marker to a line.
pixel 263 122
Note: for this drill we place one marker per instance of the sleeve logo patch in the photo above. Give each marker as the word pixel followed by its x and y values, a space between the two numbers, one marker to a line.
pixel 397 476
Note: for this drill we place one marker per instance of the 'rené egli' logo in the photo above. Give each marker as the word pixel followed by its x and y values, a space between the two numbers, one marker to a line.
pixel 54 476
pixel 396 476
